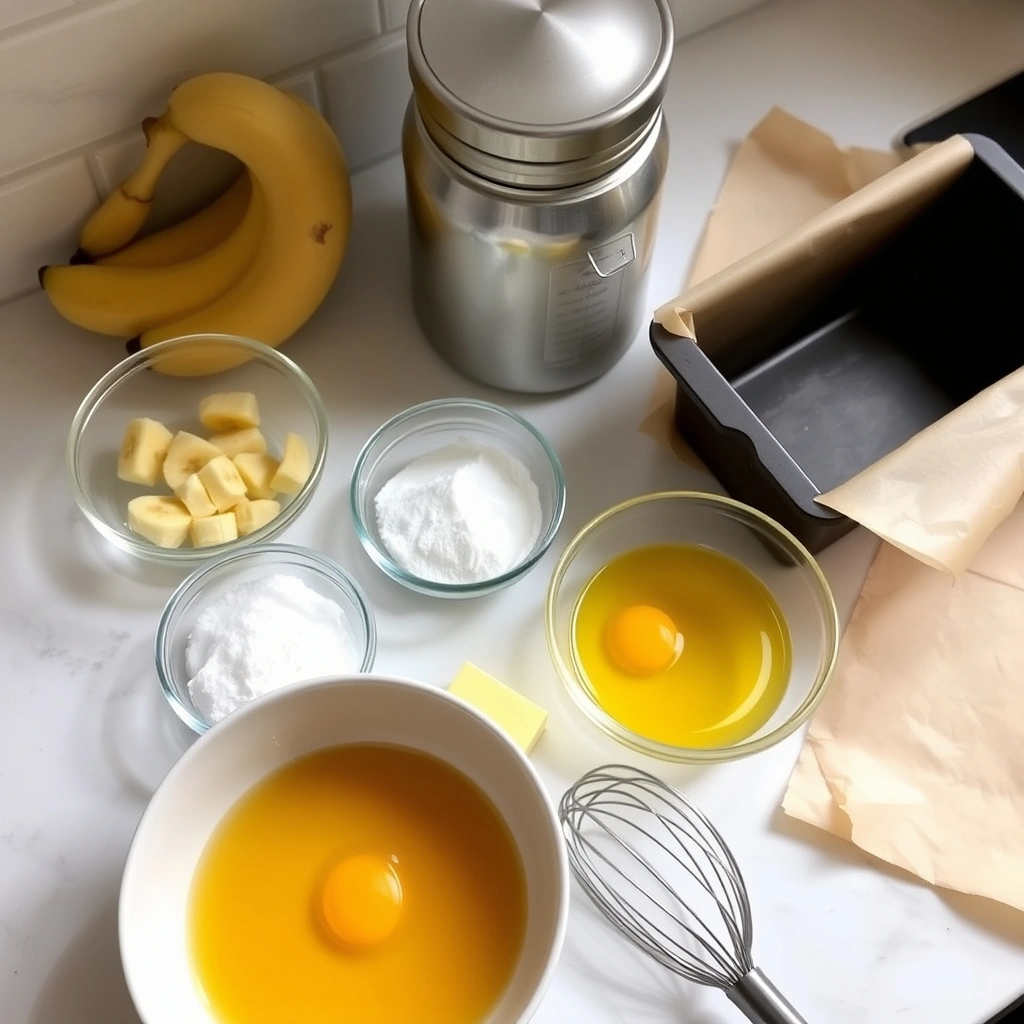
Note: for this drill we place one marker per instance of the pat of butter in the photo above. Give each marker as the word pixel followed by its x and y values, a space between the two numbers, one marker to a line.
pixel 520 718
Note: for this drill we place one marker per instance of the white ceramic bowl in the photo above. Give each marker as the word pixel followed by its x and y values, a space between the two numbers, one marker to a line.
pixel 286 724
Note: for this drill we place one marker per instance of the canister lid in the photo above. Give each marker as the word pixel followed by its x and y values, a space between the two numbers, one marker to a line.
pixel 539 81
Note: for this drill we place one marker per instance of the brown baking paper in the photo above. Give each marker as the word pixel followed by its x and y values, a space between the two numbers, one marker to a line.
pixel 915 753
pixel 782 174
pixel 943 492
pixel 757 296
pixel 940 495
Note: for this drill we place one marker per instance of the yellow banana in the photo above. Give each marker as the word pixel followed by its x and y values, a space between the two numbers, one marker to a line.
pixel 125 301
pixel 119 217
pixel 298 165
pixel 191 237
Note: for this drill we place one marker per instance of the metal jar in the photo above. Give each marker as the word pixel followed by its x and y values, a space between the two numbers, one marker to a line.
pixel 534 150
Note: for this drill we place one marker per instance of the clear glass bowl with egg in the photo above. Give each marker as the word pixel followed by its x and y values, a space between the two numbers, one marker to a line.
pixel 212 580
pixel 690 627
pixel 148 384
pixel 427 428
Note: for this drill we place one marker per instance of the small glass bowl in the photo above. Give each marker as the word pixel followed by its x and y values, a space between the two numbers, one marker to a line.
pixel 432 425
pixel 288 401
pixel 210 581
pixel 749 537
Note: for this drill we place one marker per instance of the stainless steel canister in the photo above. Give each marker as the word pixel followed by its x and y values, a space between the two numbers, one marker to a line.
pixel 534 150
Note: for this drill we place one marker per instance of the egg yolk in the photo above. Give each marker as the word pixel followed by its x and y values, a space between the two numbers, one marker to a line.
pixel 643 640
pixel 362 900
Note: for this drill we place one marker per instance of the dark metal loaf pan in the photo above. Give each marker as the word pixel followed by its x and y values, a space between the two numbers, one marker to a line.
pixel 919 326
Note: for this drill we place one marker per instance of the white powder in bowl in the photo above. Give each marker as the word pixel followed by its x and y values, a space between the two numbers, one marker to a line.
pixel 462 514
pixel 263 634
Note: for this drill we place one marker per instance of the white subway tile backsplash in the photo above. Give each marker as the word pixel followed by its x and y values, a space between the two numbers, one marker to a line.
pixel 14 12
pixel 39 220
pixel 303 84
pixel 368 129
pixel 69 82
pixel 394 13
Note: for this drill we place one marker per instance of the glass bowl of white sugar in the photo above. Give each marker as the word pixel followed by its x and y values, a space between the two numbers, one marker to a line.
pixel 457 497
pixel 253 621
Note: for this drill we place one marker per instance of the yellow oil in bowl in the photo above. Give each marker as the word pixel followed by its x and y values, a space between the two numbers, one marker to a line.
pixel 360 884
pixel 682 645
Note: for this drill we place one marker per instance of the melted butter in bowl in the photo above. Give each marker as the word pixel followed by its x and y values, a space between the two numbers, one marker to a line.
pixel 682 645
pixel 358 883
pixel 394 799
pixel 690 627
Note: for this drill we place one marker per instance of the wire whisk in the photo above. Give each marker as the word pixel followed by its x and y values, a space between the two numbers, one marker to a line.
pixel 662 875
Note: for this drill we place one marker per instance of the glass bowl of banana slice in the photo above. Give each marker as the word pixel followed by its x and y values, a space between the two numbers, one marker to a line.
pixel 174 463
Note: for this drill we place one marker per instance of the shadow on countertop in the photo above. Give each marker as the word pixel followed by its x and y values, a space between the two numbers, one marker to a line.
pixel 86 984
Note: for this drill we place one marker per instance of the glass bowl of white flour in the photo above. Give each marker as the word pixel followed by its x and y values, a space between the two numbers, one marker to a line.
pixel 457 497
pixel 256 620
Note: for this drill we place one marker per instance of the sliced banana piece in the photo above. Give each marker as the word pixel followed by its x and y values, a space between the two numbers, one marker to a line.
pixel 251 515
pixel 194 496
pixel 160 518
pixel 143 451
pixel 229 410
pixel 218 529
pixel 187 454
pixel 295 466
pixel 222 482
pixel 235 442
pixel 256 471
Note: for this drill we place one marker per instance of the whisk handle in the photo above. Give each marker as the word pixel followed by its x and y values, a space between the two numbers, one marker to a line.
pixel 761 1001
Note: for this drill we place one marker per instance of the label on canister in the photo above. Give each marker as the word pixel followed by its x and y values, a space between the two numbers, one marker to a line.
pixel 583 310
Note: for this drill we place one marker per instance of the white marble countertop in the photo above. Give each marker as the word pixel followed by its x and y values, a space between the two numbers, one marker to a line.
pixel 87 735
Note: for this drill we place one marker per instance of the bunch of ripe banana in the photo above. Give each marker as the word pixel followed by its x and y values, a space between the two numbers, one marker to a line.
pixel 257 262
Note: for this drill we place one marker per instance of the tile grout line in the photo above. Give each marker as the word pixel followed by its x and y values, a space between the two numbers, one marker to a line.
pixel 92 164
pixel 320 93
pixel 69 13
pixel 316 64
